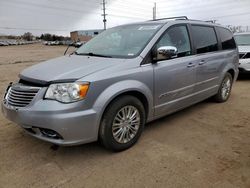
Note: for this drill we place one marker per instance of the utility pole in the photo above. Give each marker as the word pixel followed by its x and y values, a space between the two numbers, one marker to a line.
pixel 104 13
pixel 154 11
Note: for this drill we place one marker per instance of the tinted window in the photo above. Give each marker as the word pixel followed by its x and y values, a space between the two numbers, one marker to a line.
pixel 178 37
pixel 227 40
pixel 205 39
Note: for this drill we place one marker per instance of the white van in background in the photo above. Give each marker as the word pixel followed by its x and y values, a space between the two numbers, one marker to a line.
pixel 243 41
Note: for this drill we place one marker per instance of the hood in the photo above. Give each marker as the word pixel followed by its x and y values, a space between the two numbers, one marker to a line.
pixel 67 68
pixel 244 49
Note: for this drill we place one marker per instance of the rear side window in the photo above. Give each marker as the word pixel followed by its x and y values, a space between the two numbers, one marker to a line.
pixel 227 40
pixel 205 39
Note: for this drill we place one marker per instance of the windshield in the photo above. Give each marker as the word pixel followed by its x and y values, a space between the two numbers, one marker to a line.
pixel 242 39
pixel 122 41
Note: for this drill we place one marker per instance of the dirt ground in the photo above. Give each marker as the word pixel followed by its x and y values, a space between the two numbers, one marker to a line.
pixel 206 145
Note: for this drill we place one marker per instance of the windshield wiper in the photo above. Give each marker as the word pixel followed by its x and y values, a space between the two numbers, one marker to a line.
pixel 93 54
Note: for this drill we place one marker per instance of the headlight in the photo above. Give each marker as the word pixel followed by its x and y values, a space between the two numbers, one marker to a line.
pixel 67 92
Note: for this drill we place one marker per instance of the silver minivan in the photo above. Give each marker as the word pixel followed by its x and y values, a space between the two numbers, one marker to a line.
pixel 121 79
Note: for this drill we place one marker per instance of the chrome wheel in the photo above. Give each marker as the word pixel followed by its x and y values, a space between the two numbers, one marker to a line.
pixel 226 88
pixel 126 124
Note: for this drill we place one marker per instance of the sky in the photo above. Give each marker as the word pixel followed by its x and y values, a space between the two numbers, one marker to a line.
pixel 62 16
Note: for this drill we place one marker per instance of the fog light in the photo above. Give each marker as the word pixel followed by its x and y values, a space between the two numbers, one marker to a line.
pixel 50 133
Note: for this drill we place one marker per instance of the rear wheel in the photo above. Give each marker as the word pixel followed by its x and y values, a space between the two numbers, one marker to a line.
pixel 225 89
pixel 122 123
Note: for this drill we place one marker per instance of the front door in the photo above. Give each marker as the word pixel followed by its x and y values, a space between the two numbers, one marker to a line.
pixel 174 79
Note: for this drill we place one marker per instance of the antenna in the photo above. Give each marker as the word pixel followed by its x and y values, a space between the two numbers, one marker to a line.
pixel 104 13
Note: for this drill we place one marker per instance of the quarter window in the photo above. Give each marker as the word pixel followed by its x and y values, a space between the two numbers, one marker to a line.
pixel 205 39
pixel 178 37
pixel 227 40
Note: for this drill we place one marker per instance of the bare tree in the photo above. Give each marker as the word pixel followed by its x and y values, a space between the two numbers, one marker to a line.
pixel 28 36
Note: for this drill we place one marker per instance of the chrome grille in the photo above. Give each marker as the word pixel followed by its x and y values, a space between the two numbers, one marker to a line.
pixel 244 55
pixel 20 95
pixel 241 55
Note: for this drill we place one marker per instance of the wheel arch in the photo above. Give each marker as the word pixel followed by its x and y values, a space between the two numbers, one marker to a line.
pixel 137 94
pixel 232 72
pixel 129 87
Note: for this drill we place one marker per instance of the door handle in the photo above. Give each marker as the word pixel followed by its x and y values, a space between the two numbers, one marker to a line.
pixel 191 65
pixel 202 62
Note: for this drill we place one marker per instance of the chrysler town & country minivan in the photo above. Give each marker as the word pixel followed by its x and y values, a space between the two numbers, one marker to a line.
pixel 121 79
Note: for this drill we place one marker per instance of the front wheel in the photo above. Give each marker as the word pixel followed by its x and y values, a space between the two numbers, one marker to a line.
pixel 122 123
pixel 225 89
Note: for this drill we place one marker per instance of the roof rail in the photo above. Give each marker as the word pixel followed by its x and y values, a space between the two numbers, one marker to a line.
pixel 170 18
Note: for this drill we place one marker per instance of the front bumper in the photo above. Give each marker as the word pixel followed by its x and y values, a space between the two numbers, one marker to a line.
pixel 73 124
pixel 244 66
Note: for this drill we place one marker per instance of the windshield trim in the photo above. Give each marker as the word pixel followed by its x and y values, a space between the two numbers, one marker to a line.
pixel 93 54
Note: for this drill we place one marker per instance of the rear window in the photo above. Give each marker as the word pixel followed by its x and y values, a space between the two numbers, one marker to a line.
pixel 227 40
pixel 205 39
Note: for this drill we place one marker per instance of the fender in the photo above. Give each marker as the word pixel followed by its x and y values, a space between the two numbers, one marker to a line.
pixel 231 66
pixel 226 69
pixel 117 89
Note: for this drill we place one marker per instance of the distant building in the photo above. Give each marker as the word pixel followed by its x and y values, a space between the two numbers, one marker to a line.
pixel 84 35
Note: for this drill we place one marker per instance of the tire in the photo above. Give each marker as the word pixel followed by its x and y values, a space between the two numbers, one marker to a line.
pixel 113 128
pixel 225 89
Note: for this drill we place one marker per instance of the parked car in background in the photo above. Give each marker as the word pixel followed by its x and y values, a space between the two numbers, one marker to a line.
pixel 243 41
pixel 11 42
pixel 53 43
pixel 3 43
pixel 123 78
pixel 78 44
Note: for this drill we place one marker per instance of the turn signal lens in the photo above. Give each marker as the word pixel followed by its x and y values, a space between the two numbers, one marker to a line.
pixel 83 90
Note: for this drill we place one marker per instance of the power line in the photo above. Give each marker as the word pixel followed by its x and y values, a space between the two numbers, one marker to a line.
pixel 200 7
pixel 131 17
pixel 127 10
pixel 73 10
pixel 135 3
pixel 51 7
pixel 223 16
pixel 38 5
pixel 231 15
pixel 34 29
pixel 139 8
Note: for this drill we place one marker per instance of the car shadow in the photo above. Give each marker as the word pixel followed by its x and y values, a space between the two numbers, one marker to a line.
pixel 97 148
pixel 188 111
pixel 243 77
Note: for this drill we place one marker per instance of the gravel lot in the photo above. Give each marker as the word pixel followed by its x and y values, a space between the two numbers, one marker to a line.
pixel 206 145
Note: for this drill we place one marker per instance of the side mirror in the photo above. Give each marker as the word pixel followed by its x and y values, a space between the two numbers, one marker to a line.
pixel 166 52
